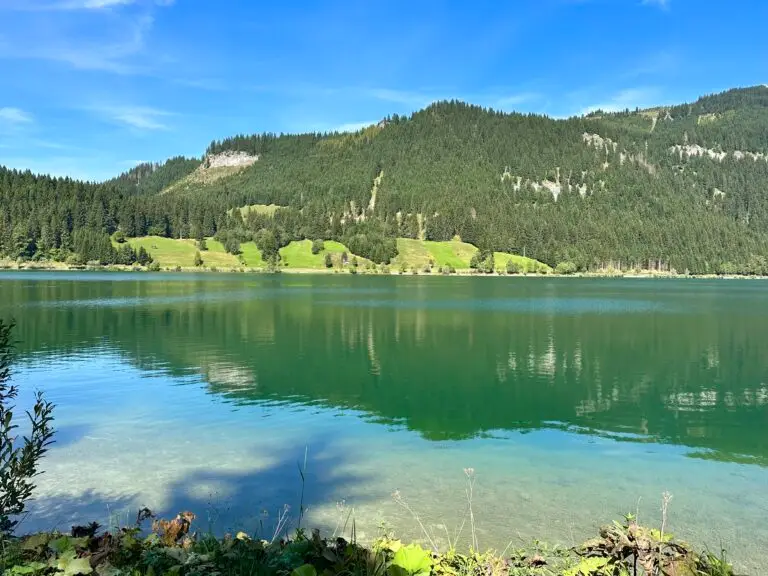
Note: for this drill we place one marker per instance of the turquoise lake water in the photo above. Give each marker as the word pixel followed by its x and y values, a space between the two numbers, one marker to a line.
pixel 574 400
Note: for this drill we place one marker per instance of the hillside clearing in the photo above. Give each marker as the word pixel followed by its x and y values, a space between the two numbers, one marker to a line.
pixel 298 255
pixel 525 265
pixel 413 254
pixel 172 252
pixel 266 209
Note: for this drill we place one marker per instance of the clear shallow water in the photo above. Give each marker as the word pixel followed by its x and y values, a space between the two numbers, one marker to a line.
pixel 574 400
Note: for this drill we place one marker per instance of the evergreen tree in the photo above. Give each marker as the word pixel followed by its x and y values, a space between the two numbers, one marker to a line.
pixel 143 257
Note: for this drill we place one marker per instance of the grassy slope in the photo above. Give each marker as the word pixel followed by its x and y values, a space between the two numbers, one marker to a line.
pixel 454 253
pixel 528 265
pixel 411 254
pixel 268 209
pixel 299 255
pixel 418 253
pixel 170 253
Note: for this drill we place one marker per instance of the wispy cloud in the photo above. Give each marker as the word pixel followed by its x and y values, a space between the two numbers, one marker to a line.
pixel 630 98
pixel 143 118
pixel 9 115
pixel 209 84
pixel 104 40
pixel 111 56
pixel 509 101
pixel 405 97
pixel 663 4
pixel 63 5
pixel 95 4
pixel 352 126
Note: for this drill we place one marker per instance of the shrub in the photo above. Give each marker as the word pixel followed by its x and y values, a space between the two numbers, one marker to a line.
pixel 202 245
pixel 232 244
pixel 18 463
pixel 198 259
pixel 565 268
pixel 328 261
pixel 119 236
pixel 154 267
pixel 143 257
pixel 512 267
pixel 318 246
pixel 125 255
pixel 483 261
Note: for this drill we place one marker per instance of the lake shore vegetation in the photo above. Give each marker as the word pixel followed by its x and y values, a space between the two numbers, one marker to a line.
pixel 155 546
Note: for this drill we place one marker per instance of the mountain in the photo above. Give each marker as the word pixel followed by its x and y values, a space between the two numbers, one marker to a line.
pixel 680 187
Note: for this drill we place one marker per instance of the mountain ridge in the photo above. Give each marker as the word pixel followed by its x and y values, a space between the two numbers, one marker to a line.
pixel 673 187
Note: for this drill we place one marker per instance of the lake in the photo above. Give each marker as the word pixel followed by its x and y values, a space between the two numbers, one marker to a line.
pixel 575 401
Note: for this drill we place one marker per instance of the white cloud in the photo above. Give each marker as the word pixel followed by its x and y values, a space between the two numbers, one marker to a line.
pixel 513 100
pixel 114 54
pixel 88 35
pixel 11 115
pixel 626 99
pixel 408 98
pixel 139 117
pixel 37 6
pixel 142 118
pixel 98 4
pixel 351 126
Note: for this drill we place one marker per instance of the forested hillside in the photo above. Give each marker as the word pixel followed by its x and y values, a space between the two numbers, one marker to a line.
pixel 151 178
pixel 682 187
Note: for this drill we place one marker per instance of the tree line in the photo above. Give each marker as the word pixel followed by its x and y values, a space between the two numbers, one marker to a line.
pixel 519 183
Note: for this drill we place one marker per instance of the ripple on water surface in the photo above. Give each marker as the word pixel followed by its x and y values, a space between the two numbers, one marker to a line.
pixel 574 401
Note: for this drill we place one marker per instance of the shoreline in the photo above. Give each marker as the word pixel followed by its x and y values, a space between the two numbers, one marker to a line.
pixel 12 266
pixel 174 546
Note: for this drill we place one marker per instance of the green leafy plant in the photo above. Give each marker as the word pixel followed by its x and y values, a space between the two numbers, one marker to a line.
pixel 411 560
pixel 19 460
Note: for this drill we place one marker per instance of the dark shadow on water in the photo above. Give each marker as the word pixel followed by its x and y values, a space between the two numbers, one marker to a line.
pixel 70 434
pixel 224 501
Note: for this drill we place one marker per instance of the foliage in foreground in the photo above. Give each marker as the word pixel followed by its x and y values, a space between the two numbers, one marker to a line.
pixel 19 461
pixel 622 549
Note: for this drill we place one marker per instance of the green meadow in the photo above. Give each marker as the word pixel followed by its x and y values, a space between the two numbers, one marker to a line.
pixel 412 254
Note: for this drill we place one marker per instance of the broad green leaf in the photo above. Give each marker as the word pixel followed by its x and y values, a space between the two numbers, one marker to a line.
pixel 388 544
pixel 30 568
pixel 588 567
pixel 78 566
pixel 70 565
pixel 397 571
pixel 305 570
pixel 413 559
pixel 106 569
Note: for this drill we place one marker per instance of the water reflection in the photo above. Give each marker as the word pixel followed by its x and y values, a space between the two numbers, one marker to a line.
pixel 448 358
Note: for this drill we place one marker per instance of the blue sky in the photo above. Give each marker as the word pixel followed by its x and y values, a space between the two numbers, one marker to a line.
pixel 89 88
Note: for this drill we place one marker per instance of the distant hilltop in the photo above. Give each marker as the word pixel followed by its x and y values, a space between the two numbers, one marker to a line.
pixel 669 188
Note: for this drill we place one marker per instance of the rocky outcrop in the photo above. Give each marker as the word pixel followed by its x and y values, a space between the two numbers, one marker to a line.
pixel 599 143
pixel 699 151
pixel 229 159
